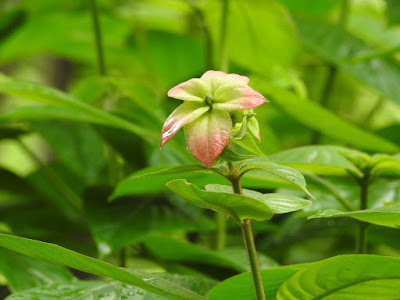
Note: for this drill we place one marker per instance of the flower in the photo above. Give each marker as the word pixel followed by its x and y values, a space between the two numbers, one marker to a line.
pixel 205 112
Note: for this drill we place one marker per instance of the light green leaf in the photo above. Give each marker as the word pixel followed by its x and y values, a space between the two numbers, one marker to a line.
pixel 240 287
pixel 279 203
pixel 171 171
pixel 232 156
pixel 388 216
pixel 238 206
pixel 58 255
pixel 110 290
pixel 323 120
pixel 287 173
pixel 23 272
pixel 345 277
pixel 248 143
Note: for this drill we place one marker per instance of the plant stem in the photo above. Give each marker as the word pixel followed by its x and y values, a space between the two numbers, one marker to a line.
pixel 98 38
pixel 220 242
pixel 361 240
pixel 250 248
pixel 224 62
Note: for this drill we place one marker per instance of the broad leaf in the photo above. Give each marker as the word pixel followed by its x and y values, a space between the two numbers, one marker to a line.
pixel 385 216
pixel 345 277
pixel 238 206
pixel 279 203
pixel 287 173
pixel 65 257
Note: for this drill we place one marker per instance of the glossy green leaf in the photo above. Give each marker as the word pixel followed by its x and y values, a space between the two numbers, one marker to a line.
pixel 232 156
pixel 238 206
pixel 172 250
pixel 53 97
pixel 23 272
pixel 345 277
pixel 279 203
pixel 385 216
pixel 65 257
pixel 248 143
pixel 240 287
pixel 323 120
pixel 110 290
pixel 287 173
pixel 321 160
pixel 338 47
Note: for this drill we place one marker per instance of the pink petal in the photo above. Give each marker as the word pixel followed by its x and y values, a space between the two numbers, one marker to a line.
pixel 207 136
pixel 231 97
pixel 191 90
pixel 184 114
pixel 215 79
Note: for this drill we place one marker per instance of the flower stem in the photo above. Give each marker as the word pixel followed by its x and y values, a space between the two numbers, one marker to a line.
pixel 361 239
pixel 98 38
pixel 250 248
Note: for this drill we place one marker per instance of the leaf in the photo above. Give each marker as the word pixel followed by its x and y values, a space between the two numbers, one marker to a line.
pixel 23 272
pixel 65 257
pixel 238 206
pixel 388 216
pixel 110 290
pixel 172 250
pixel 321 160
pixel 152 180
pixel 240 287
pixel 323 120
pixel 53 97
pixel 248 143
pixel 339 46
pixel 232 156
pixel 384 165
pixel 345 277
pixel 278 203
pixel 287 173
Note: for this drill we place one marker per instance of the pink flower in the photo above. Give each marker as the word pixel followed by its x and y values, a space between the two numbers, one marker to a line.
pixel 205 112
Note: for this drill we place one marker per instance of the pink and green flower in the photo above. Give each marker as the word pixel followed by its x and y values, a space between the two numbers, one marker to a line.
pixel 206 112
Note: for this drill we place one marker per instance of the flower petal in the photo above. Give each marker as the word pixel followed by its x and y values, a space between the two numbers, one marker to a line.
pixel 207 136
pixel 231 97
pixel 182 115
pixel 191 90
pixel 214 79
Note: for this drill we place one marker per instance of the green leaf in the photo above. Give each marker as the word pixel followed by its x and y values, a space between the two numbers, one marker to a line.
pixel 241 287
pixel 345 277
pixel 388 216
pixel 248 143
pixel 110 290
pixel 384 165
pixel 338 47
pixel 323 120
pixel 172 250
pixel 53 97
pixel 287 173
pixel 321 160
pixel 23 272
pixel 232 156
pixel 65 257
pixel 279 203
pixel 152 180
pixel 238 206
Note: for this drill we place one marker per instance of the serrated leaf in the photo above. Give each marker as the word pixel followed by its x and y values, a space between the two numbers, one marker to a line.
pixel 345 277
pixel 238 206
pixel 62 256
pixel 287 173
pixel 388 216
pixel 279 203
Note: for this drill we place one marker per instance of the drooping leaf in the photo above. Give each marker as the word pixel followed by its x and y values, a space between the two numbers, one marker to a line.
pixel 345 277
pixel 237 206
pixel 65 257
pixel 385 216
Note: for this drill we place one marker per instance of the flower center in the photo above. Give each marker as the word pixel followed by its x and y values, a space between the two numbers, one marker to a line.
pixel 208 101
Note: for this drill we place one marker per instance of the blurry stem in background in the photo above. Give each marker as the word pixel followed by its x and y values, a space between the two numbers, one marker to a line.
pixel 53 178
pixel 376 54
pixel 220 236
pixel 248 239
pixel 375 108
pixel 332 69
pixel 361 240
pixel 98 38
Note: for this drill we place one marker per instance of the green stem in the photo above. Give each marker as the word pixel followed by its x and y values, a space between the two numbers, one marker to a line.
pixel 98 38
pixel 224 62
pixel 220 242
pixel 250 248
pixel 376 54
pixel 53 178
pixel 361 240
